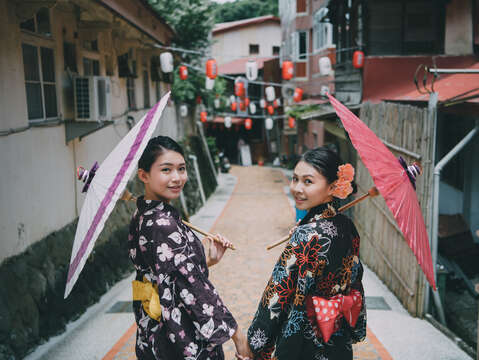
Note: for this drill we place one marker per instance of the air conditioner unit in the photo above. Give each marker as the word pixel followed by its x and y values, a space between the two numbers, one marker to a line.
pixel 92 98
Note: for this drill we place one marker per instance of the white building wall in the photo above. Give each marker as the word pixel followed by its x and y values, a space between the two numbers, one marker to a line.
pixel 459 19
pixel 231 45
pixel 39 193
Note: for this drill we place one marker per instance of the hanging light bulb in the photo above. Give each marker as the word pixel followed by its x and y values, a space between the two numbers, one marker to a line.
pixel 262 103
pixel 251 70
pixel 166 61
pixel 228 122
pixel 248 124
pixel 270 94
pixel 209 83
pixel 183 110
pixel 211 69
pixel 268 123
pixel 183 72
pixel 252 108
pixel 217 103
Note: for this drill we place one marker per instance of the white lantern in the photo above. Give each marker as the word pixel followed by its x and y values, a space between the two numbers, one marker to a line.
pixel 324 90
pixel 278 101
pixel 252 107
pixel 268 123
pixel 262 103
pixel 209 83
pixel 227 102
pixel 166 61
pixel 217 103
pixel 251 70
pixel 228 122
pixel 325 66
pixel 183 110
pixel 270 94
pixel 232 99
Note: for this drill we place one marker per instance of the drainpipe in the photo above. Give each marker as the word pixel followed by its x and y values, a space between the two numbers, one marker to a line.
pixel 198 176
pixel 435 210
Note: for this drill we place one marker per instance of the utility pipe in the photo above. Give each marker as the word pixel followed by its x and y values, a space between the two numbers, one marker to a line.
pixel 198 176
pixel 435 211
pixel 453 71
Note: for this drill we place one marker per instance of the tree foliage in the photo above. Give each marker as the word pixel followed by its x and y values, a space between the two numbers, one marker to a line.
pixel 244 9
pixel 192 21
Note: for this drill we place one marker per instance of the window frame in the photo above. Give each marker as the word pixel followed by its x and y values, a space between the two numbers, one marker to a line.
pixel 130 93
pixel 320 27
pixel 253 53
pixel 41 81
pixel 48 35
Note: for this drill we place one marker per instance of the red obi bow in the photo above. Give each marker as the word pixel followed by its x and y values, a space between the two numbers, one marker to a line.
pixel 328 311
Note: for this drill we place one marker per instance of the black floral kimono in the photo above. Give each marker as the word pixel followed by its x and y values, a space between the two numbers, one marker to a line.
pixel 194 321
pixel 321 259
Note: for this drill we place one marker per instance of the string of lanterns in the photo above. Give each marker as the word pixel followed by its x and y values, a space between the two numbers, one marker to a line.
pixel 241 100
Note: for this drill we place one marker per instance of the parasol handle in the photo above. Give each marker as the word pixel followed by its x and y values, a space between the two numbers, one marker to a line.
pixel 128 196
pixel 371 193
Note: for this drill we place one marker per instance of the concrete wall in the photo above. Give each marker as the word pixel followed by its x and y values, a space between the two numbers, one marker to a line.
pixel 459 34
pixel 38 189
pixel 230 45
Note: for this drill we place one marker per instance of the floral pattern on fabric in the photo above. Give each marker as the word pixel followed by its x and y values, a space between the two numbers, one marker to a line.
pixel 321 259
pixel 194 321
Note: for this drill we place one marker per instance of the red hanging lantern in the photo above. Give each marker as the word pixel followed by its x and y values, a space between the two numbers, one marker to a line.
pixel 198 99
pixel 234 106
pixel 298 94
pixel 246 102
pixel 270 109
pixel 211 69
pixel 291 122
pixel 183 72
pixel 358 59
pixel 239 89
pixel 203 116
pixel 275 103
pixel 248 124
pixel 242 106
pixel 288 69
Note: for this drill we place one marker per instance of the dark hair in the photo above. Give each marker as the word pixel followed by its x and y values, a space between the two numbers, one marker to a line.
pixel 155 147
pixel 324 160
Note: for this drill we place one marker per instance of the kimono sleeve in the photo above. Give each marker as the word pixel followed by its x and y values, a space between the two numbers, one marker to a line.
pixel 283 298
pixel 186 294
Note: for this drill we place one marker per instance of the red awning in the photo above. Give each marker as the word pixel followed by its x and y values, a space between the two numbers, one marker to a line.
pixel 393 78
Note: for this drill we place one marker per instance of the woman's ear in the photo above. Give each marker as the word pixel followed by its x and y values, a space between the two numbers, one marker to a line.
pixel 143 176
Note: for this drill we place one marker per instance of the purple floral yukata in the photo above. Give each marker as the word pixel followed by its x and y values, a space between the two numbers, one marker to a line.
pixel 194 321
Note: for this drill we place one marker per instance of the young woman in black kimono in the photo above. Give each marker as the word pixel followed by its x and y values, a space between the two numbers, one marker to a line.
pixel 313 305
pixel 190 321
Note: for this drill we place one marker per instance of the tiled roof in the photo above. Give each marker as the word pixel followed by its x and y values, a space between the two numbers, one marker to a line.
pixel 231 25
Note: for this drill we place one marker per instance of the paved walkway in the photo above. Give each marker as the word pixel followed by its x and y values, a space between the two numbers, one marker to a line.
pixel 251 208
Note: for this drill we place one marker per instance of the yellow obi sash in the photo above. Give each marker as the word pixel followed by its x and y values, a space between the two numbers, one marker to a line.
pixel 147 293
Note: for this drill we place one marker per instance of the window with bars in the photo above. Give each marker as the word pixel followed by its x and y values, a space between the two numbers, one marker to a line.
pixel 275 50
pixel 130 92
pixel 91 67
pixel 39 23
pixel 40 85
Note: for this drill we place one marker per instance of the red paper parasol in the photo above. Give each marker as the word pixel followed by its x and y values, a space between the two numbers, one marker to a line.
pixel 395 182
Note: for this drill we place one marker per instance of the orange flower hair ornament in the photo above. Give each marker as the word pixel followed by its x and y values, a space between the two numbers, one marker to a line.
pixel 342 186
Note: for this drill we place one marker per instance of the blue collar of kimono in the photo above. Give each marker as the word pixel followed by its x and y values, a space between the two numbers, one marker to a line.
pixel 324 210
pixel 145 205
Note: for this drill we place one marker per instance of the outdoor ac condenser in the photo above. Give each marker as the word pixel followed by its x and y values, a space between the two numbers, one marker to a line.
pixel 92 98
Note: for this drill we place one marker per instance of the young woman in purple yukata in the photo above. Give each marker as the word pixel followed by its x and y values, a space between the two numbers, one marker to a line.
pixel 313 306
pixel 167 255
